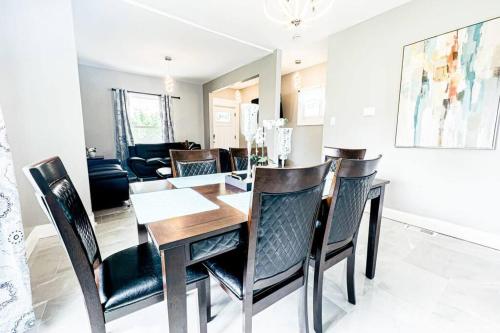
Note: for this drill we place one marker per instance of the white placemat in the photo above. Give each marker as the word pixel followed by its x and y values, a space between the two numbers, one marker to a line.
pixel 192 181
pixel 161 205
pixel 240 201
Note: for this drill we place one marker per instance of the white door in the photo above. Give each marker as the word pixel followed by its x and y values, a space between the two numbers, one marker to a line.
pixel 225 115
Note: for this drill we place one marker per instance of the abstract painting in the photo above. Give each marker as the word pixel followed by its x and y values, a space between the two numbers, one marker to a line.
pixel 450 90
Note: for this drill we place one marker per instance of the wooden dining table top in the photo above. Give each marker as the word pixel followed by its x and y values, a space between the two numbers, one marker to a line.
pixel 175 231
pixel 171 231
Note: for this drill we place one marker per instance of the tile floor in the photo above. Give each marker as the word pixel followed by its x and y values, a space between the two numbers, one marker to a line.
pixel 424 283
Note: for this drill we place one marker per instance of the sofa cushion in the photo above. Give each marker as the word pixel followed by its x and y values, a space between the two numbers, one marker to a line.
pixel 148 151
pixel 158 161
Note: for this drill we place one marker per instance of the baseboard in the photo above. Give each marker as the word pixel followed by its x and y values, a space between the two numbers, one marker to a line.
pixel 444 227
pixel 44 231
pixel 38 232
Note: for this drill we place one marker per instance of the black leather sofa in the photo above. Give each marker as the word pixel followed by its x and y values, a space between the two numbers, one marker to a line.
pixel 108 183
pixel 145 159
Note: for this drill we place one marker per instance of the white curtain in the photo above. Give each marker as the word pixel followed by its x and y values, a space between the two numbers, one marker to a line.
pixel 166 119
pixel 123 132
pixel 16 311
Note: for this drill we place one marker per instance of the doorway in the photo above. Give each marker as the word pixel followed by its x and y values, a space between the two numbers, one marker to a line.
pixel 224 109
pixel 225 123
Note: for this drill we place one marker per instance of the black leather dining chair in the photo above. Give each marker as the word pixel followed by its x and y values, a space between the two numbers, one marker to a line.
pixel 195 162
pixel 122 283
pixel 274 261
pixel 335 154
pixel 337 231
pixel 239 157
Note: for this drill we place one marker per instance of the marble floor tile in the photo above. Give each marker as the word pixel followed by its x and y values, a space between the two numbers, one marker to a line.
pixel 425 282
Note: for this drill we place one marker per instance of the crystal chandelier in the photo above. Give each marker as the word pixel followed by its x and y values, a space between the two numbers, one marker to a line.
pixel 296 13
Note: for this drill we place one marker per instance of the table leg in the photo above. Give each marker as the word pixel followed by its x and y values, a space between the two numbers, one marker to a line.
pixel 174 287
pixel 376 207
pixel 142 233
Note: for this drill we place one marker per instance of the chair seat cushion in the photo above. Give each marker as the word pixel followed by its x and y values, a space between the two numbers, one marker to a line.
pixel 228 269
pixel 134 274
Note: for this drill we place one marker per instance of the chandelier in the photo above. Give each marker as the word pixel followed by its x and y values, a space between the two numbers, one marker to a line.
pixel 296 13
pixel 168 80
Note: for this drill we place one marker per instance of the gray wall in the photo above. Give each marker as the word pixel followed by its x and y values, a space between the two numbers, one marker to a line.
pixel 364 64
pixel 95 86
pixel 268 69
pixel 306 140
pixel 39 94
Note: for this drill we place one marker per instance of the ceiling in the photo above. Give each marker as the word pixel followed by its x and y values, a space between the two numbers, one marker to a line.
pixel 205 38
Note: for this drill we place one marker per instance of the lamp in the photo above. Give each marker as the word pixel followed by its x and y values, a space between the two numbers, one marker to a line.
pixel 296 13
pixel 168 81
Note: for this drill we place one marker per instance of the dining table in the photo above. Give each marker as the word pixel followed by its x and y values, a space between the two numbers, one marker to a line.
pixel 191 219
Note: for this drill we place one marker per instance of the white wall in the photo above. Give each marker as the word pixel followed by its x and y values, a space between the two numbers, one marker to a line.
pixel 39 94
pixel 306 140
pixel 96 85
pixel 268 69
pixel 364 64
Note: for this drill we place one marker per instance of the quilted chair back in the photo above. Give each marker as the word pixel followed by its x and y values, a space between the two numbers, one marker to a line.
pixel 285 204
pixel 335 154
pixel 187 163
pixel 352 182
pixel 53 181
pixel 61 203
pixel 239 157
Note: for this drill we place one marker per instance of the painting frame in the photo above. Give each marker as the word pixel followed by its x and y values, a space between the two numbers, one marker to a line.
pixel 495 127
pixel 311 94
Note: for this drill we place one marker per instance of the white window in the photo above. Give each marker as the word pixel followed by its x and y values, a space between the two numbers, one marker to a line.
pixel 144 113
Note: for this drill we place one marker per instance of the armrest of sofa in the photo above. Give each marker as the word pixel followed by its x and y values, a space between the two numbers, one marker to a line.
pixel 158 161
pixel 107 174
pixel 135 160
pixel 194 146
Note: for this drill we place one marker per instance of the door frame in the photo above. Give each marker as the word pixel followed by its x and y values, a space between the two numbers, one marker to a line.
pixel 223 102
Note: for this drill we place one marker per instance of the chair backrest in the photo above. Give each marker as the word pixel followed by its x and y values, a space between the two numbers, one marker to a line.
pixel 62 204
pixel 225 160
pixel 336 153
pixel 350 187
pixel 284 209
pixel 194 162
pixel 239 157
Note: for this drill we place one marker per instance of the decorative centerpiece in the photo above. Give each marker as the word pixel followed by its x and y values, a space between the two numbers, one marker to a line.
pixel 273 126
pixel 284 143
pixel 260 140
pixel 249 127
